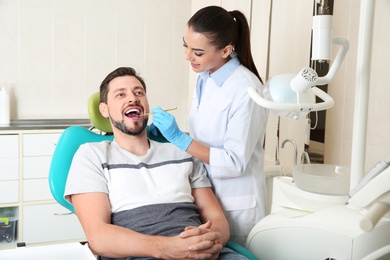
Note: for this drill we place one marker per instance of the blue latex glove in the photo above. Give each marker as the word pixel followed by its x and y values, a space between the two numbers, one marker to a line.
pixel 168 127
pixel 155 134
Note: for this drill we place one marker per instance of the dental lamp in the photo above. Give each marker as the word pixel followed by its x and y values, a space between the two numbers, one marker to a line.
pixel 293 96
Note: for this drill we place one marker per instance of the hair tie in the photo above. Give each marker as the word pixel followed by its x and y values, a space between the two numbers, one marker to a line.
pixel 232 15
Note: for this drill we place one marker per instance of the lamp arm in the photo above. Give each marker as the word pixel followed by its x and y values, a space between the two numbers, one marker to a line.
pixel 276 106
pixel 337 61
pixel 327 103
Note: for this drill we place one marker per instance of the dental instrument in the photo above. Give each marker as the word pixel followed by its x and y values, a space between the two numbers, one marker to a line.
pixel 375 170
pixel 168 109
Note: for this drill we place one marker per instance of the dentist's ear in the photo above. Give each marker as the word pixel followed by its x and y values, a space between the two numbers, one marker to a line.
pixel 103 109
pixel 227 50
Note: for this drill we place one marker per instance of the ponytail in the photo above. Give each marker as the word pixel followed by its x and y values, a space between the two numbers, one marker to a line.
pixel 242 45
pixel 224 28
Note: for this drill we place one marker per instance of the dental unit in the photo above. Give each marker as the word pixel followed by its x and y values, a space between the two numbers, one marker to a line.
pixel 329 212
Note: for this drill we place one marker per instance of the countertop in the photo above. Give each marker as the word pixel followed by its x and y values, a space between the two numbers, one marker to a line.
pixel 33 124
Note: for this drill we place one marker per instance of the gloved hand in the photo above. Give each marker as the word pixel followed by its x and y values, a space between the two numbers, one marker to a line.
pixel 168 127
pixel 155 134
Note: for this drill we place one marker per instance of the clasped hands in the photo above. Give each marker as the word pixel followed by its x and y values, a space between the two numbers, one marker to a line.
pixel 165 123
pixel 204 243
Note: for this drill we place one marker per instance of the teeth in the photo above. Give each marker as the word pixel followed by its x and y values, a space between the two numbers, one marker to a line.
pixel 133 110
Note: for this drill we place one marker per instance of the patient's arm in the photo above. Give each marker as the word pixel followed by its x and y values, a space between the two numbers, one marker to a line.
pixel 105 239
pixel 211 214
pixel 211 210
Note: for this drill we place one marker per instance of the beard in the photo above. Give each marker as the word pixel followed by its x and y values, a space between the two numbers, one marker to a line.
pixel 136 130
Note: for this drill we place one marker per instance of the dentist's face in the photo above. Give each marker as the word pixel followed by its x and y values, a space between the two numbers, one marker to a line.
pixel 201 54
pixel 126 104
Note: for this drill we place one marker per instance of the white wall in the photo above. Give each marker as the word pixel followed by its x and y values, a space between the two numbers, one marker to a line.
pixel 289 52
pixel 339 121
pixel 55 53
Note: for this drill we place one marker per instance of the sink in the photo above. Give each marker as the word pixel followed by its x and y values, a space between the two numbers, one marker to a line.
pixel 327 179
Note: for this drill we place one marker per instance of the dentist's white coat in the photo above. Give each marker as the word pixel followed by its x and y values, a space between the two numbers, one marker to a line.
pixel 233 126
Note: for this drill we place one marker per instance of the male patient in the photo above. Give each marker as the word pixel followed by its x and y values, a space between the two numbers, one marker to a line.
pixel 140 199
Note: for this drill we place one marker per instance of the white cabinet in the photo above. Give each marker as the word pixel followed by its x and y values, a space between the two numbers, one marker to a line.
pixel 9 191
pixel 9 153
pixel 9 170
pixel 9 146
pixel 48 223
pixel 40 144
pixel 37 153
pixel 25 158
pixel 36 166
pixel 36 190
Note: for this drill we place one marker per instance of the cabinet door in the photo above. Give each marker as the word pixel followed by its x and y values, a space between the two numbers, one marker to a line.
pixel 9 191
pixel 9 168
pixel 50 223
pixel 36 189
pixel 37 155
pixel 36 167
pixel 9 146
pixel 9 153
pixel 39 144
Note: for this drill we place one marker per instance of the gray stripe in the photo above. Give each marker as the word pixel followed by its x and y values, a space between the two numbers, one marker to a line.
pixel 144 165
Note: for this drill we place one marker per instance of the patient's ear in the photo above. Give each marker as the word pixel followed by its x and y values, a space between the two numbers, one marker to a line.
pixel 103 109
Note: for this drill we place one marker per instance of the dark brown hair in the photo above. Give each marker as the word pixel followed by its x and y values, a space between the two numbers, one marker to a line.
pixel 119 72
pixel 223 28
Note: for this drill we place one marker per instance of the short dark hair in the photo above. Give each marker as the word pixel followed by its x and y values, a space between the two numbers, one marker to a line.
pixel 119 72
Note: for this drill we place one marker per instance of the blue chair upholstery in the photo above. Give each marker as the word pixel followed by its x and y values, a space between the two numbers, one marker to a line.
pixel 70 140
pixel 240 249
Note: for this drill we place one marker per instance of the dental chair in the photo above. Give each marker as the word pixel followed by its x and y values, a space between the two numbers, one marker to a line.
pixel 73 137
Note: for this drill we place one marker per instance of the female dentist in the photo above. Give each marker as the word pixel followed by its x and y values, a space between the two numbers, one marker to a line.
pixel 226 127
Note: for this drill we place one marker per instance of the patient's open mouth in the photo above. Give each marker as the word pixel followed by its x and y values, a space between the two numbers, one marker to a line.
pixel 133 113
